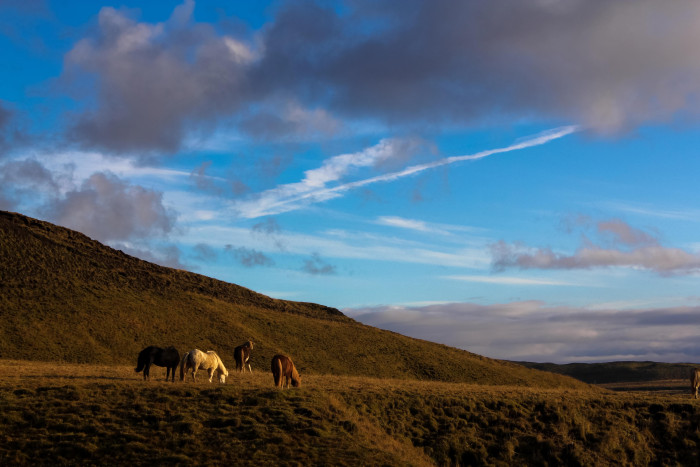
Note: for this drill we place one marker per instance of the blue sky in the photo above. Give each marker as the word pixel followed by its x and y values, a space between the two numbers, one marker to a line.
pixel 517 181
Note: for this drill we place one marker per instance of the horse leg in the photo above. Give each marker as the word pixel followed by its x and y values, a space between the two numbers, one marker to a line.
pixel 146 371
pixel 167 373
pixel 211 373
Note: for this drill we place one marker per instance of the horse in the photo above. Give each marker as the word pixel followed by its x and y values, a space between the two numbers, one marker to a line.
pixel 694 381
pixel 198 360
pixel 282 367
pixel 241 354
pixel 153 355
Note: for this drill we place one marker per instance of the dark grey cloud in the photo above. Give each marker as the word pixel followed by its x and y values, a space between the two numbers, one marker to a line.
pixel 271 231
pixel 625 234
pixel 317 266
pixel 269 226
pixel 109 209
pixel 155 82
pixel 534 331
pixel 205 182
pixel 204 253
pixel 249 257
pixel 11 137
pixel 23 178
pixel 630 247
pixel 606 65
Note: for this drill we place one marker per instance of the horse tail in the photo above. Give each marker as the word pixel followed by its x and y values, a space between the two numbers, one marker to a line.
pixel 183 362
pixel 141 362
pixel 276 367
pixel 238 357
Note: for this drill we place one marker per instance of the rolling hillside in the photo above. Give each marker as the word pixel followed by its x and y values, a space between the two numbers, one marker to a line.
pixel 65 297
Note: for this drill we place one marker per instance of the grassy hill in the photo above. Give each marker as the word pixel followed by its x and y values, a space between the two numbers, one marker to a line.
pixel 617 372
pixel 65 297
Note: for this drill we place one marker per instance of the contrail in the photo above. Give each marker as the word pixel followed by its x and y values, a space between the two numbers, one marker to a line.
pixel 323 194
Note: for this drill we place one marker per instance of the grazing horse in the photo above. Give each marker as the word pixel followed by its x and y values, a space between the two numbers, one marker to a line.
pixel 694 381
pixel 282 367
pixel 198 360
pixel 153 355
pixel 242 354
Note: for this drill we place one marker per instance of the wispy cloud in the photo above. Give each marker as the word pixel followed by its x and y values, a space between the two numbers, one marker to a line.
pixel 421 226
pixel 653 211
pixel 312 189
pixel 372 248
pixel 511 280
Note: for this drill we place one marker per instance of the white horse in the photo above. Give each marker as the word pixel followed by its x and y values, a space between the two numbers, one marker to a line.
pixel 198 360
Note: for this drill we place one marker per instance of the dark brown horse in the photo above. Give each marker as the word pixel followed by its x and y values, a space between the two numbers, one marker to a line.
pixel 694 381
pixel 241 354
pixel 282 367
pixel 152 355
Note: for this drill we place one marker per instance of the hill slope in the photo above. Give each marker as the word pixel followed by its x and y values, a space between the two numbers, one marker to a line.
pixel 65 297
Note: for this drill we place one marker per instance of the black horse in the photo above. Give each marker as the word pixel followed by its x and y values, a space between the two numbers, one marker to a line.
pixel 153 355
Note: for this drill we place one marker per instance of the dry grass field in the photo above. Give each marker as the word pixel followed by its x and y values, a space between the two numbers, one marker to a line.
pixel 103 414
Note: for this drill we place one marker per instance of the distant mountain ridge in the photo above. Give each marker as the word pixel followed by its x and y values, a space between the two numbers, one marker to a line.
pixel 617 372
pixel 66 297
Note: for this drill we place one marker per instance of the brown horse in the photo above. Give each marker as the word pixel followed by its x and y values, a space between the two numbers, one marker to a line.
pixel 282 367
pixel 241 354
pixel 694 381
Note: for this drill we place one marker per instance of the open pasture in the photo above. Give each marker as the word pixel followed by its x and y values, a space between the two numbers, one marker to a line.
pixel 77 413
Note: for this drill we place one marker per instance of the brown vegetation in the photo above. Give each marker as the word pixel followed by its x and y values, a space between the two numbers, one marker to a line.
pixel 70 413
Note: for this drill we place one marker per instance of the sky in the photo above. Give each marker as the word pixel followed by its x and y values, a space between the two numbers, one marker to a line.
pixel 517 179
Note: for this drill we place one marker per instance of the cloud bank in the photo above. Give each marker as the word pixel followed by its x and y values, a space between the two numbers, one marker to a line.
pixel 533 331
pixel 608 66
